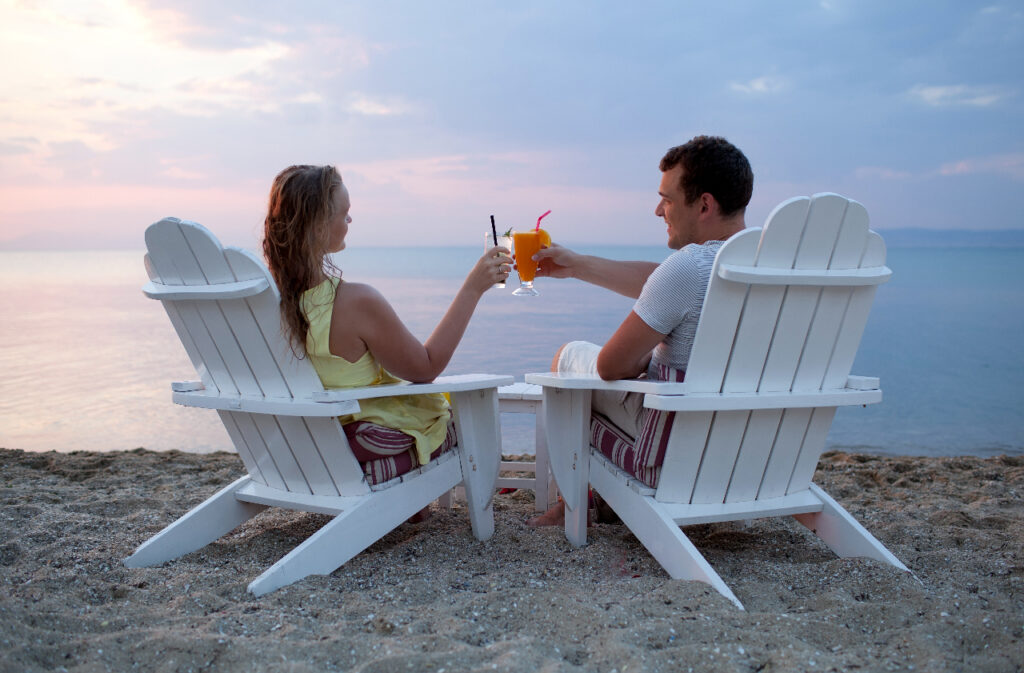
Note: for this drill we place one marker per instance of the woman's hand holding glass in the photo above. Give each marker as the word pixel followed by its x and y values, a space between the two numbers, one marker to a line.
pixel 494 267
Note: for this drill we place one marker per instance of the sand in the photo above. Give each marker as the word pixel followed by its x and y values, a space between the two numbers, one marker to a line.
pixel 429 597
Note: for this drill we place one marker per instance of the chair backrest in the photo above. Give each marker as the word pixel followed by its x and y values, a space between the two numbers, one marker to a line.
pixel 238 348
pixel 785 311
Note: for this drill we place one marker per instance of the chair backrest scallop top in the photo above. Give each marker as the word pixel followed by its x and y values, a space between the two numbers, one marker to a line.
pixel 236 345
pixel 225 307
pixel 785 311
pixel 792 329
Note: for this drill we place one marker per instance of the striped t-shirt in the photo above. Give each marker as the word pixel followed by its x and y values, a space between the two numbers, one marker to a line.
pixel 671 301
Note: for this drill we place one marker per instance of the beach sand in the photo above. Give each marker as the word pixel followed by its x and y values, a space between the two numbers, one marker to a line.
pixel 429 597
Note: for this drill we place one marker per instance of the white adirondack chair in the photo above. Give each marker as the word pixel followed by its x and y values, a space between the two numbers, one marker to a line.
pixel 780 326
pixel 224 305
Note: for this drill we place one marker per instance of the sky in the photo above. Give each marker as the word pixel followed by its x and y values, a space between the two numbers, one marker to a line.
pixel 115 113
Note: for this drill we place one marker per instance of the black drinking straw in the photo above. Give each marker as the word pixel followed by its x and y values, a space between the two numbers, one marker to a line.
pixel 494 232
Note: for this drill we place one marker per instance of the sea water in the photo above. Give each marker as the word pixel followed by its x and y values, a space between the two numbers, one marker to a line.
pixel 86 360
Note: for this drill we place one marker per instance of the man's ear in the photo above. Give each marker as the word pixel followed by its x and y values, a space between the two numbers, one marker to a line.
pixel 708 204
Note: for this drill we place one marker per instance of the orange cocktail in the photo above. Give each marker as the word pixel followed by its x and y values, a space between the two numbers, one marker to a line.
pixel 527 243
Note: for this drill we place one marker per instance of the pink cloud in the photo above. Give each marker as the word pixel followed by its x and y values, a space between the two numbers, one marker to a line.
pixel 1009 165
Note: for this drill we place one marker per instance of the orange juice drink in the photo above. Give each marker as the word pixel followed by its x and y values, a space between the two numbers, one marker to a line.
pixel 527 244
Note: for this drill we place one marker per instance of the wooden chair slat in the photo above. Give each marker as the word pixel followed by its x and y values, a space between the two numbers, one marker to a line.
pixel 344 470
pixel 247 455
pixel 762 428
pixel 260 451
pixel 686 444
pixel 719 459
pixel 789 441
pixel 723 304
pixel 814 440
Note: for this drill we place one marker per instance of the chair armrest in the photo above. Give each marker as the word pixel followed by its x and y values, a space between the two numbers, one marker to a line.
pixel 759 275
pixel 863 382
pixel 236 290
pixel 204 399
pixel 751 401
pixel 569 381
pixel 442 384
pixel 521 391
pixel 187 386
pixel 336 402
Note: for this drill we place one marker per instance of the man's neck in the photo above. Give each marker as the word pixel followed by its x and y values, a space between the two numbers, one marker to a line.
pixel 726 228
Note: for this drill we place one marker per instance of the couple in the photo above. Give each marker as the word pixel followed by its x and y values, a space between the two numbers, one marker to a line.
pixel 353 337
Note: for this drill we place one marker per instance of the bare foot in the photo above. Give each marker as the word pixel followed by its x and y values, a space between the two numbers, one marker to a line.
pixel 555 516
pixel 420 516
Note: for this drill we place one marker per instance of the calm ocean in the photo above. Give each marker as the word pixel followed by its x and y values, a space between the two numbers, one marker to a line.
pixel 87 361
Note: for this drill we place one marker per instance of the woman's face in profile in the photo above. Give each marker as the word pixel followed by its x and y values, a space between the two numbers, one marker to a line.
pixel 337 226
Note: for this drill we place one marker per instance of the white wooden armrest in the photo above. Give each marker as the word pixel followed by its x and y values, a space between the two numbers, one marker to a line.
pixel 749 401
pixel 204 399
pixel 187 386
pixel 583 381
pixel 442 384
pixel 863 382
pixel 520 391
pixel 242 288
pixel 756 275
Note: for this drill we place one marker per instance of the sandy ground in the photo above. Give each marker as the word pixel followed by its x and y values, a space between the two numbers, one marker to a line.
pixel 429 597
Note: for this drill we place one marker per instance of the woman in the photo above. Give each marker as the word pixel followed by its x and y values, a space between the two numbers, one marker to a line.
pixel 351 334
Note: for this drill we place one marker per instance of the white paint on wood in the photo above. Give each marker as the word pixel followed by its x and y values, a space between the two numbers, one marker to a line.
pixel 224 305
pixel 783 317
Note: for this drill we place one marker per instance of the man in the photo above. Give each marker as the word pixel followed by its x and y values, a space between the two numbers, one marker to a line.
pixel 705 188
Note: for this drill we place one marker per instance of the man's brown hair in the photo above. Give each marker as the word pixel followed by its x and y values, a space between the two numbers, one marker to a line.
pixel 715 166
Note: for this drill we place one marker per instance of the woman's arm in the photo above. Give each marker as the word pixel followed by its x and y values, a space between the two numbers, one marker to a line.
pixel 364 320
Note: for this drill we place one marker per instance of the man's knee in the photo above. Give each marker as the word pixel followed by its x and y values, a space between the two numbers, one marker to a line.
pixel 558 356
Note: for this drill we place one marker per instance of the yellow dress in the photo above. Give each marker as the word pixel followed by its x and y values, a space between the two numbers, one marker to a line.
pixel 422 417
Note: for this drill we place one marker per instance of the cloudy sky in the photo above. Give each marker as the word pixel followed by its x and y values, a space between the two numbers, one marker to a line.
pixel 114 113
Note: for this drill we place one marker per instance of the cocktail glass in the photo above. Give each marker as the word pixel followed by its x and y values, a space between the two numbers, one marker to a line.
pixel 503 241
pixel 527 244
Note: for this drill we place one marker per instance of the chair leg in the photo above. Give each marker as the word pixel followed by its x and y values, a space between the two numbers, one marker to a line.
pixel 204 523
pixel 542 496
pixel 569 454
pixel 357 527
pixel 844 534
pixel 326 550
pixel 545 491
pixel 576 519
pixel 476 420
pixel 658 533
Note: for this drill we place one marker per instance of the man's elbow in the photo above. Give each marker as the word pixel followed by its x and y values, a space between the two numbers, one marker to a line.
pixel 609 370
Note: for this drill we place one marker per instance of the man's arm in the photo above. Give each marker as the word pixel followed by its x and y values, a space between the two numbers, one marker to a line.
pixel 625 278
pixel 628 352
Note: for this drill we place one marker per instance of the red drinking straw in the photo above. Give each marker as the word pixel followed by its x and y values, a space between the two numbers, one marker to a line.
pixel 537 228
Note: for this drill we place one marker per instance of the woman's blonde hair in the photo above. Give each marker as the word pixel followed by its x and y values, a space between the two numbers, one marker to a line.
pixel 296 237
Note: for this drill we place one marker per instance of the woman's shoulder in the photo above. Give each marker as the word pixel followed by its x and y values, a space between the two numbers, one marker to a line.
pixel 351 290
pixel 356 295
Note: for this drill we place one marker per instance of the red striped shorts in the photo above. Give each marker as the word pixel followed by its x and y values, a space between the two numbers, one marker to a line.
pixel 640 456
pixel 385 453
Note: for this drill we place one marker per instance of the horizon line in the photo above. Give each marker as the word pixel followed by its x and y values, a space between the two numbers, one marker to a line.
pixel 1015 233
